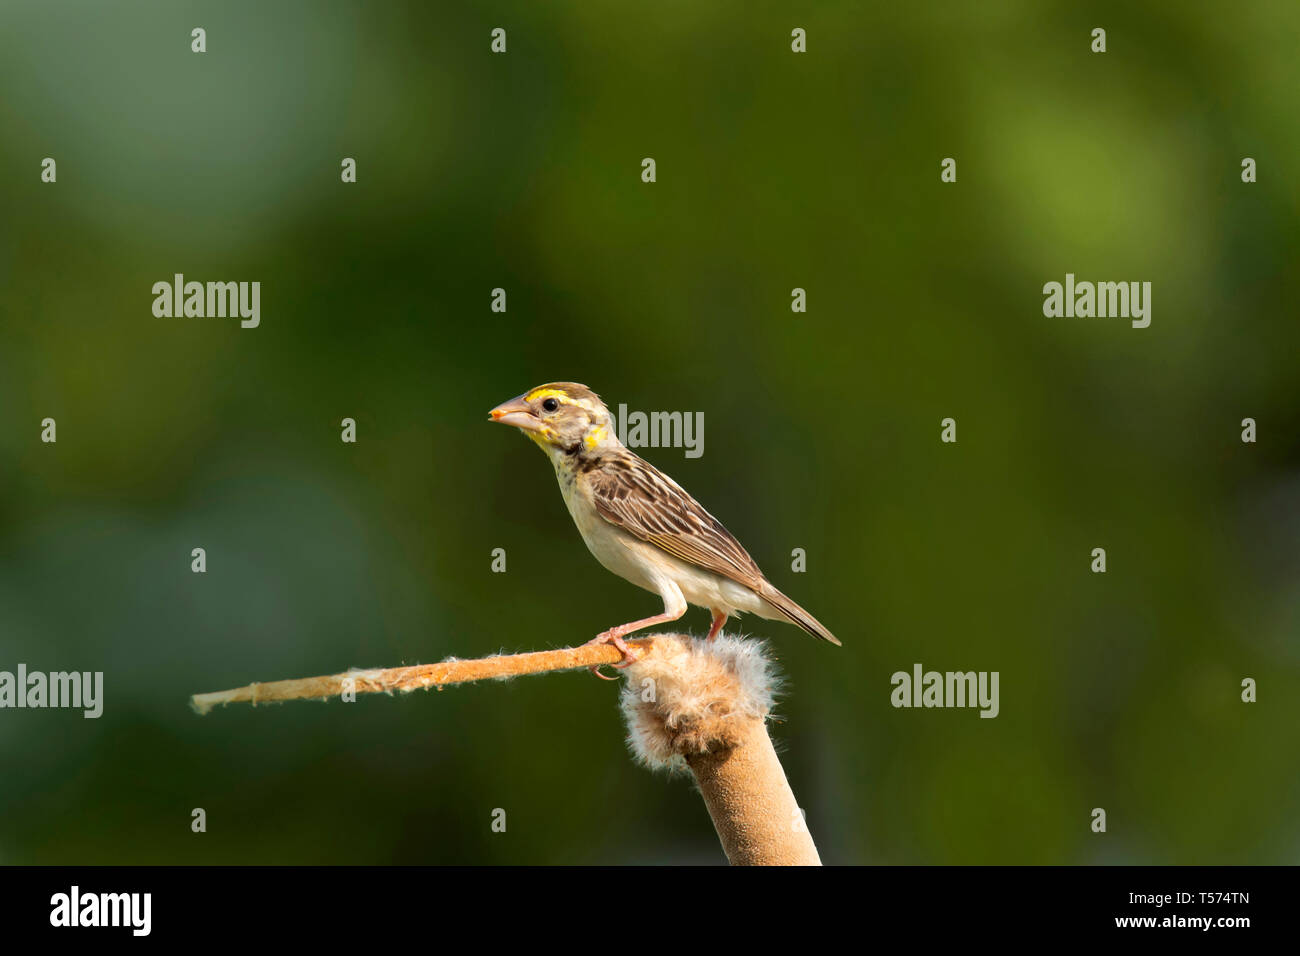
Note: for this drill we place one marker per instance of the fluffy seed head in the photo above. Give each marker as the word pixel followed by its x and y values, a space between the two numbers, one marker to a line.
pixel 693 696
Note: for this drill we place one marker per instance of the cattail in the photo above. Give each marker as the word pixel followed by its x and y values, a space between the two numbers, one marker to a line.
pixel 702 706
pixel 691 705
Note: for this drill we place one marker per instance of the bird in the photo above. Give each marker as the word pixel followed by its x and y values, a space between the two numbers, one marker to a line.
pixel 642 525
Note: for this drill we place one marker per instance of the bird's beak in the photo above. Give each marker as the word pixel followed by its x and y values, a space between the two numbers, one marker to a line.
pixel 517 413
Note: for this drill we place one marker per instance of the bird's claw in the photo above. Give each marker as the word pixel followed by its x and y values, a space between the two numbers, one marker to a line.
pixel 630 656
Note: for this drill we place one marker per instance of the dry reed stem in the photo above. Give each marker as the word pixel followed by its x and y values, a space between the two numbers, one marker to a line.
pixel 418 676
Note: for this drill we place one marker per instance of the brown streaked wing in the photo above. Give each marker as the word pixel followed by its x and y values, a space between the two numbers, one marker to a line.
pixel 636 496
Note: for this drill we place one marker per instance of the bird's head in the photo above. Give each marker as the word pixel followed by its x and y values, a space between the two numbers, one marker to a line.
pixel 564 418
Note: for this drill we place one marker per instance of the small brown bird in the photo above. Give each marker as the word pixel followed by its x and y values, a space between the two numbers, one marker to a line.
pixel 639 523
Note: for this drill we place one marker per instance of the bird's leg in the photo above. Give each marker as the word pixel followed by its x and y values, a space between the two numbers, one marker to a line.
pixel 674 608
pixel 719 619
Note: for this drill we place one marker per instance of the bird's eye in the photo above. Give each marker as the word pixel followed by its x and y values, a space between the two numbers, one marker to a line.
pixel 550 404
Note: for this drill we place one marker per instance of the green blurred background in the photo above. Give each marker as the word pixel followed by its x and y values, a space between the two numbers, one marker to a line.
pixel 775 170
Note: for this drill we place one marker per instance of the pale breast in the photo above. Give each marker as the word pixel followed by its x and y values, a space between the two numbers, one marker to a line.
pixel 613 547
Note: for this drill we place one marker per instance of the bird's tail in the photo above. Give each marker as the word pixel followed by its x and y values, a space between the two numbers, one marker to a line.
pixel 796 615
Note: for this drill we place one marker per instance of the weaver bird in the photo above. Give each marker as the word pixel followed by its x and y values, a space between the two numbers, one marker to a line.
pixel 639 523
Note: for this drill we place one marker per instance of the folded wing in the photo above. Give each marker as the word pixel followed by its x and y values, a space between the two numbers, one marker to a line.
pixel 640 499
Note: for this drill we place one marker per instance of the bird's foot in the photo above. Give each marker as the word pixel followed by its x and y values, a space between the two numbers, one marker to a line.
pixel 719 619
pixel 612 636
